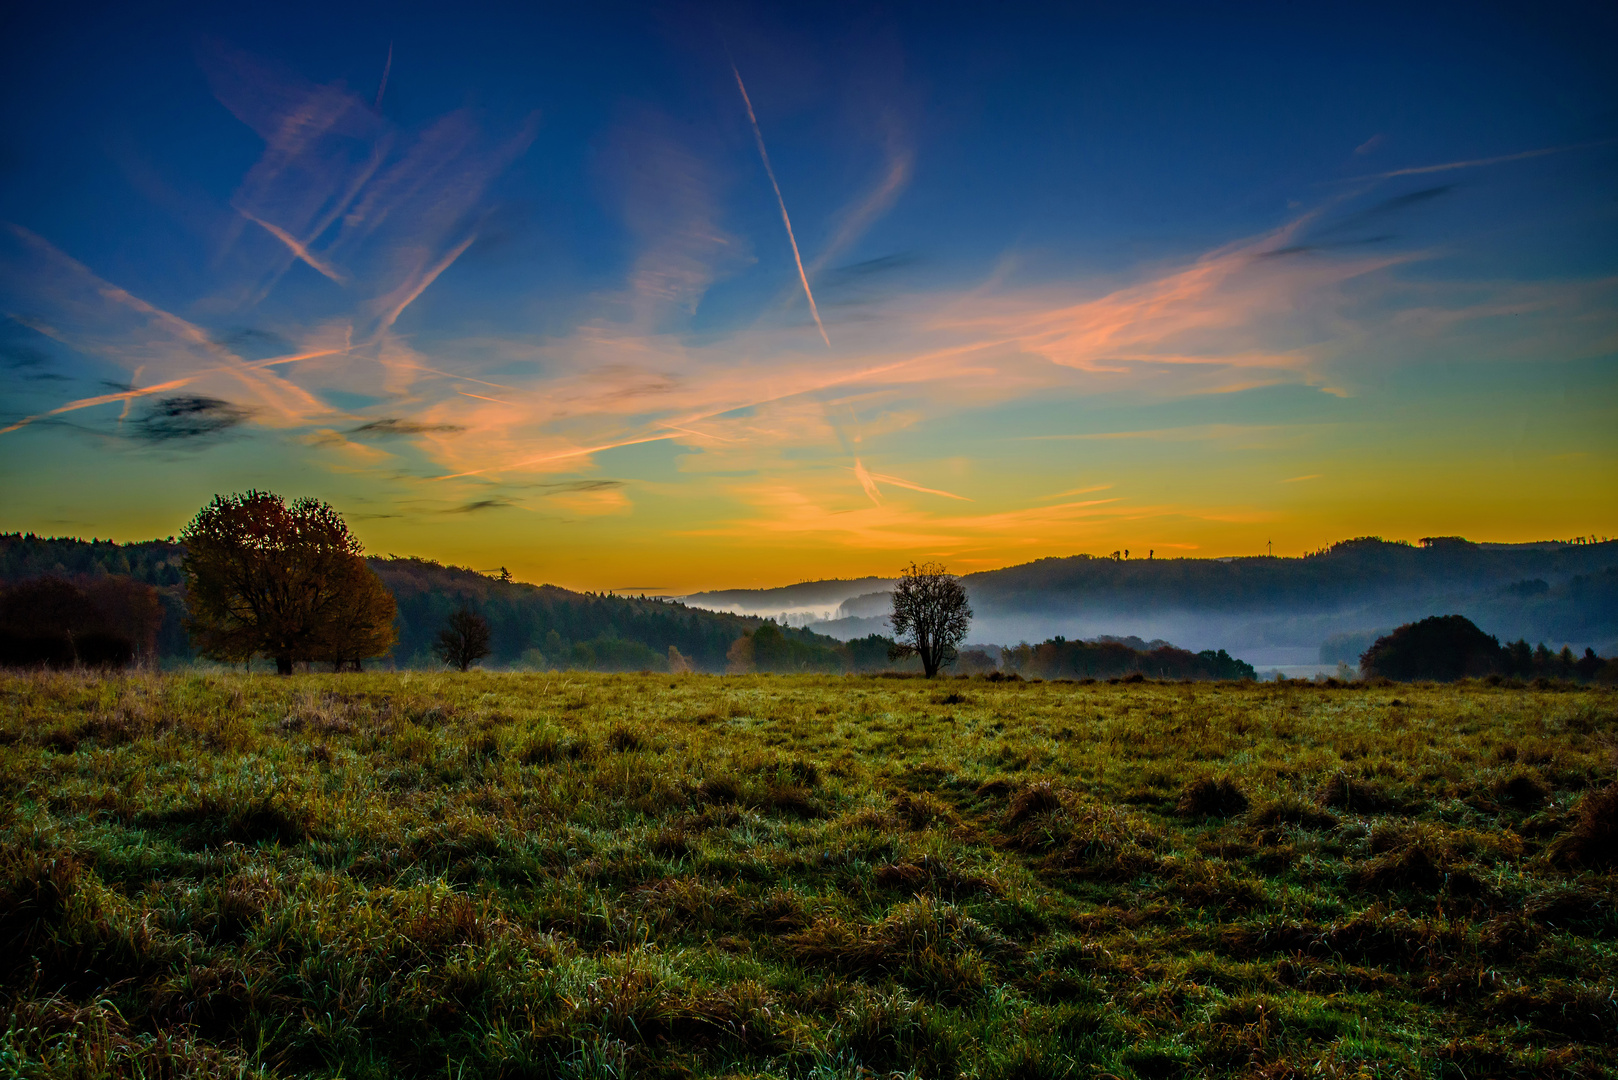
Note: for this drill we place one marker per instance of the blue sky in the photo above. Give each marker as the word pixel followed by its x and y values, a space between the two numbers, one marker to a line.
pixel 1279 273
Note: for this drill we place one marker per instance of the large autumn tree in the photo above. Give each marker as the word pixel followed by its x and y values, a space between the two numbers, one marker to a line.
pixel 270 579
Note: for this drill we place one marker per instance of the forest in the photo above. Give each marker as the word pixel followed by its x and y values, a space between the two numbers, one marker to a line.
pixel 534 626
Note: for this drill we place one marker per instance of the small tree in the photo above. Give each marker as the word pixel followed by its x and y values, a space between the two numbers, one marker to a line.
pixel 285 581
pixel 930 616
pixel 464 640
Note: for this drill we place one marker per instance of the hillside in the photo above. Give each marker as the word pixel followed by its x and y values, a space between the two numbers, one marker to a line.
pixel 533 626
pixel 1272 610
pixel 1558 593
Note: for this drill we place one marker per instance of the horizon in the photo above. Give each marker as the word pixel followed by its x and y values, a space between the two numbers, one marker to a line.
pixel 718 299
pixel 650 593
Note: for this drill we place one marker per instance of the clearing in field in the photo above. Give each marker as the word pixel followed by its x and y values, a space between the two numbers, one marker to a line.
pixel 587 875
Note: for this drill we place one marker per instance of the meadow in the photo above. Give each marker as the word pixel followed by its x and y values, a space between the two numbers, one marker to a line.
pixel 505 875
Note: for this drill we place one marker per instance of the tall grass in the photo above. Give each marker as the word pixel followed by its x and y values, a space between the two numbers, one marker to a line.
pixel 595 875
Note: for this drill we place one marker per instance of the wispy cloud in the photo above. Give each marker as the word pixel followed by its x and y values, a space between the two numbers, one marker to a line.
pixel 1473 163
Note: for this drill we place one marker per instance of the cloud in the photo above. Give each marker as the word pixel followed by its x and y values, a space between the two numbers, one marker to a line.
pixel 393 427
pixel 481 504
pixel 188 417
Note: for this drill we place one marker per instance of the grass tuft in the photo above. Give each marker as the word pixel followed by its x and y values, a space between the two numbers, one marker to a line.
pixel 1211 797
pixel 1593 839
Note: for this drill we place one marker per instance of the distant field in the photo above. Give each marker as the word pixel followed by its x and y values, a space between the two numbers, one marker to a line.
pixel 598 875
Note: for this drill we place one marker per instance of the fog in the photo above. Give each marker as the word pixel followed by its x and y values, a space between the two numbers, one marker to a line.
pixel 1273 613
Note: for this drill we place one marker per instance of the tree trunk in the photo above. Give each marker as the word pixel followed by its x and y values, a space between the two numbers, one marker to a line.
pixel 283 665
pixel 929 659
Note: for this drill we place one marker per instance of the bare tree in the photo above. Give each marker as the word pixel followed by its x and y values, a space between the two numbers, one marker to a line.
pixel 930 616
pixel 464 640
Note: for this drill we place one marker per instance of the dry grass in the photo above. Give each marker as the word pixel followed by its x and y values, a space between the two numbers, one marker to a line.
pixel 586 875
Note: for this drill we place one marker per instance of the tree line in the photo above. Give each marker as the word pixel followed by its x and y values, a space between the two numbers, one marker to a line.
pixel 252 576
pixel 1443 648
pixel 1102 658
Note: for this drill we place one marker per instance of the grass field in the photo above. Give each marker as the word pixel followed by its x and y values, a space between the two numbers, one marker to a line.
pixel 596 875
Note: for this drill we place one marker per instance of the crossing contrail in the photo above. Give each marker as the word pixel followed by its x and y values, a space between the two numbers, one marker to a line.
pixel 765 154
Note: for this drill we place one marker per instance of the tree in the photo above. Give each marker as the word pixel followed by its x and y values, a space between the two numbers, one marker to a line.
pixel 1441 647
pixel 930 616
pixel 464 640
pixel 284 581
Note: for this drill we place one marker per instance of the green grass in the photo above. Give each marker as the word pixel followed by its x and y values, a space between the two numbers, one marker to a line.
pixel 593 875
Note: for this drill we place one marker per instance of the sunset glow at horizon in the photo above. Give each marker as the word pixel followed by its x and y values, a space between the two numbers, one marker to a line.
pixel 516 292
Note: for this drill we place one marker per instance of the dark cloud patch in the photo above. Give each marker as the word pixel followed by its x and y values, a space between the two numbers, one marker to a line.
pixel 177 418
pixel 481 504
pixel 1386 208
pixel 1411 198
pixel 16 354
pixel 859 271
pixel 47 376
pixel 583 485
pixel 392 428
pixel 566 487
pixel 1305 249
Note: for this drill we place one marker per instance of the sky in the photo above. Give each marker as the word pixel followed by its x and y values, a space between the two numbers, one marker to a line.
pixel 673 297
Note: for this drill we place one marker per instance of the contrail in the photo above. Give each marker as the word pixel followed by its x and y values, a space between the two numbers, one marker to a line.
pixel 765 154
pixel 866 482
pixel 300 250
pixel 380 90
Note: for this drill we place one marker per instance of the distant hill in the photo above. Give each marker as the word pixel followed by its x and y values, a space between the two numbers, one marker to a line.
pixel 818 598
pixel 533 625
pixel 1278 610
pixel 1553 592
